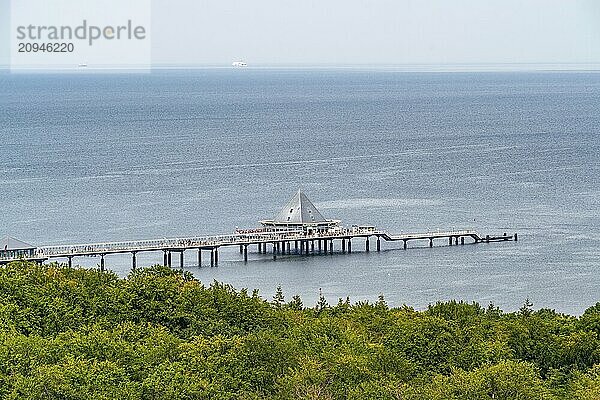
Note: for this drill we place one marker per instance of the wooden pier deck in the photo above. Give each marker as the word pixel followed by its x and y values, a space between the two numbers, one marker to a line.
pixel 272 242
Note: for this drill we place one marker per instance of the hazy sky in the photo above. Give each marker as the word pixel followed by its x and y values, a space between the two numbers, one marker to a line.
pixel 342 32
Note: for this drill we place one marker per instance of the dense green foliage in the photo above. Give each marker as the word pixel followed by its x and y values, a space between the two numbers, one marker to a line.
pixel 69 333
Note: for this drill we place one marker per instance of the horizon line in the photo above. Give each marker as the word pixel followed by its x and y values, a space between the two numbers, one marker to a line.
pixel 398 67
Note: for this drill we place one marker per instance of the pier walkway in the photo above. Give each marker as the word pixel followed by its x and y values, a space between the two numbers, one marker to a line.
pixel 298 228
pixel 275 242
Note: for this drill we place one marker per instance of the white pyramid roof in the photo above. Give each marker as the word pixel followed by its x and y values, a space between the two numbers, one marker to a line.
pixel 299 210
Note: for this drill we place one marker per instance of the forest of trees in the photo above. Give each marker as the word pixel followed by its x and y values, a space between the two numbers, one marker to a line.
pixel 71 333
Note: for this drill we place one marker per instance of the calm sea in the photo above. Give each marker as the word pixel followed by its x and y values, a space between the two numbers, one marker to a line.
pixel 93 157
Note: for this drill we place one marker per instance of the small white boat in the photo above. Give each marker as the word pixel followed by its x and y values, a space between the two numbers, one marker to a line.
pixel 239 64
pixel 82 65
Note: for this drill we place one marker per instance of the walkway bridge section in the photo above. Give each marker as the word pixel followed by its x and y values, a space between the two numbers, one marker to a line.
pixel 266 241
pixel 299 228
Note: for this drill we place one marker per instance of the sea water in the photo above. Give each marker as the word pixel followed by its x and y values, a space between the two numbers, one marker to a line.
pixel 110 157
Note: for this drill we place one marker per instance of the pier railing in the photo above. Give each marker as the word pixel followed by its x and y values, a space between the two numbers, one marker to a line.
pixel 241 238
pixel 195 242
